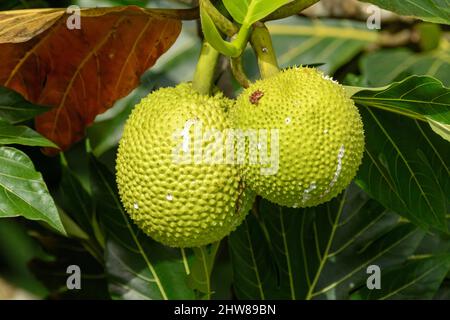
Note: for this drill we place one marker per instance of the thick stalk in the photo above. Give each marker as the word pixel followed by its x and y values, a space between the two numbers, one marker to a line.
pixel 206 67
pixel 262 44
pixel 224 25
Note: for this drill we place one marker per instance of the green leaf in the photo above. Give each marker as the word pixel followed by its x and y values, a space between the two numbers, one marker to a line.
pixel 23 191
pixel 255 272
pixel 137 267
pixel 440 128
pixel 418 97
pixel 250 11
pixel 406 167
pixel 75 200
pixel 420 277
pixel 385 66
pixel 213 36
pixel 10 134
pixel 300 41
pixel 259 9
pixel 437 11
pixel 14 108
pixel 320 252
pixel 201 269
pixel 430 35
pixel 237 8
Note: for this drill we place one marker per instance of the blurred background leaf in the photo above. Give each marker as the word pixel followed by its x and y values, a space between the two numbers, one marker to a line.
pixel 380 68
pixel 17 249
pixel 332 42
pixel 428 10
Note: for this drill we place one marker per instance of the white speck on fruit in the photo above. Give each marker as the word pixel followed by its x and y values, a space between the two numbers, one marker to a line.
pixel 259 146
pixel 288 120
pixel 169 197
pixel 306 193
pixel 136 206
pixel 325 131
pixel 265 50
pixel 338 171
pixel 327 77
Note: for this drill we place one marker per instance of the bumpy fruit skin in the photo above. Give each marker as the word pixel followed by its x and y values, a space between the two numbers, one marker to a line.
pixel 321 136
pixel 180 204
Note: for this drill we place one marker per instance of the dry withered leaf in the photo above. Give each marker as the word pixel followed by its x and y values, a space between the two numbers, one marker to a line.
pixel 80 73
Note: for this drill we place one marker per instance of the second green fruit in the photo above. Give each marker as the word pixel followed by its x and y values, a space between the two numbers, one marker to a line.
pixel 320 136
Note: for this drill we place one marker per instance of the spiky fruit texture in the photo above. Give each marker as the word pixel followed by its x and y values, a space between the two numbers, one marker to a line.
pixel 179 203
pixel 320 134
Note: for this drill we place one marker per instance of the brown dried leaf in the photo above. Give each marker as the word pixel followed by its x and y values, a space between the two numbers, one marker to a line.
pixel 80 73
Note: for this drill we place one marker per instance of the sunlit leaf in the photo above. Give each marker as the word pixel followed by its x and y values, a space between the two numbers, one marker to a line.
pixel 80 72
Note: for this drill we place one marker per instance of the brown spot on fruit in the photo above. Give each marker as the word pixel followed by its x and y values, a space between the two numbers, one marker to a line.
pixel 256 96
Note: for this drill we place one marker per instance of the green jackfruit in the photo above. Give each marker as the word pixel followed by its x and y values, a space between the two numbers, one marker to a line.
pixel 169 191
pixel 319 141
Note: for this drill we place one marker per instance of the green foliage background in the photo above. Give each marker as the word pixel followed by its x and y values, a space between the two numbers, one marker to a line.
pixel 396 214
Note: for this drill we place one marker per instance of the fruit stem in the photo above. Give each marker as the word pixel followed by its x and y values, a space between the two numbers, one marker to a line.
pixel 237 69
pixel 206 67
pixel 262 44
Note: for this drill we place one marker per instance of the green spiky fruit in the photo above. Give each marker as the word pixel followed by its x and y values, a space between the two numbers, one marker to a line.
pixel 320 137
pixel 171 193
